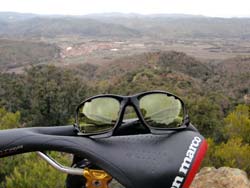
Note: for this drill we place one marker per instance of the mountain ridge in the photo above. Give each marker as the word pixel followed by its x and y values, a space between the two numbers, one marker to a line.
pixel 125 25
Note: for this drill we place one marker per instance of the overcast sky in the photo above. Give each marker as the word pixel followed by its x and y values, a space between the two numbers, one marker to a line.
pixel 215 8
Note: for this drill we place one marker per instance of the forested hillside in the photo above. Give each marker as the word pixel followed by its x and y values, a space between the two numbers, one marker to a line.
pixel 47 96
pixel 39 89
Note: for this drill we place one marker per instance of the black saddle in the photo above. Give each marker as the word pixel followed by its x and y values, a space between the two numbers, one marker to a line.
pixel 136 161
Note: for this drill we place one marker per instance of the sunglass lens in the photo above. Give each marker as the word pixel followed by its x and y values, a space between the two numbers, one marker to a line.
pixel 98 115
pixel 161 110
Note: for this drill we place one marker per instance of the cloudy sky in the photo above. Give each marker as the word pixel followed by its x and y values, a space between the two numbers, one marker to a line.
pixel 215 8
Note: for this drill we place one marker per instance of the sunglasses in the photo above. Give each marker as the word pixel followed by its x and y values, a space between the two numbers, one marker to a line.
pixel 158 111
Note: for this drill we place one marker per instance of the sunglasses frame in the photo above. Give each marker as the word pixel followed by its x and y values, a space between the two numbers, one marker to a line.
pixel 133 101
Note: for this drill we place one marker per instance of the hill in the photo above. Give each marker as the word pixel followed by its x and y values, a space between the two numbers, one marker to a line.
pixel 171 70
pixel 16 53
pixel 232 76
pixel 164 26
pixel 14 16
pixel 51 27
pixel 163 60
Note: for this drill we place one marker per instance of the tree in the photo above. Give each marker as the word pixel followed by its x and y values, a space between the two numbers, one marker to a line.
pixel 235 150
pixel 233 153
pixel 237 123
pixel 44 95
pixel 207 116
pixel 53 95
pixel 8 119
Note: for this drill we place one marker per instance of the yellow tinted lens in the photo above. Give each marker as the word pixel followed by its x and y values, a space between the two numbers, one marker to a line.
pixel 161 111
pixel 98 115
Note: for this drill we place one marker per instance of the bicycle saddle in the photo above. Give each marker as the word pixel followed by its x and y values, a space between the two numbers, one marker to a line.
pixel 136 161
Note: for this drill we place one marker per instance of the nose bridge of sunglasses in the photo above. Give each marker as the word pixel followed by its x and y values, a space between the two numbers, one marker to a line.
pixel 129 112
pixel 131 122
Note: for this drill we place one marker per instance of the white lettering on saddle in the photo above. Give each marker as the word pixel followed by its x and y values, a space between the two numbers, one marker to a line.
pixel 186 162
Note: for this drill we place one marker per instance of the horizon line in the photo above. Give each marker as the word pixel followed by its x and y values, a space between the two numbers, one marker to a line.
pixel 129 13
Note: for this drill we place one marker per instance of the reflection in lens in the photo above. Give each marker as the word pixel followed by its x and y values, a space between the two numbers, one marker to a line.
pixel 98 115
pixel 161 111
